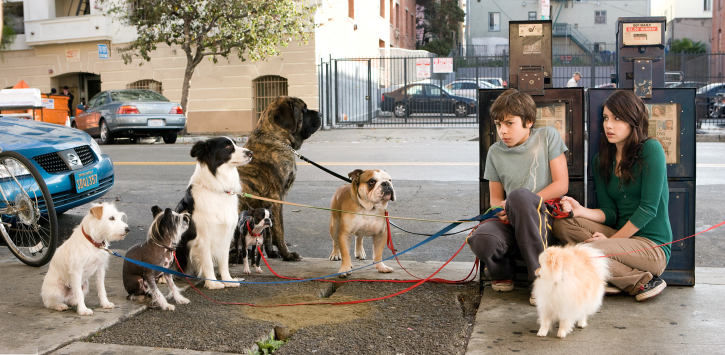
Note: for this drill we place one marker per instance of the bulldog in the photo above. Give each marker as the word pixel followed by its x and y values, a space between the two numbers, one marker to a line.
pixel 368 193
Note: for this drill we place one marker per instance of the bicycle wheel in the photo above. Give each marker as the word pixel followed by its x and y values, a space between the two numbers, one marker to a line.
pixel 27 217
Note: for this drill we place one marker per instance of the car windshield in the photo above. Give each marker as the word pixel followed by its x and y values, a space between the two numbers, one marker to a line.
pixel 448 91
pixel 137 95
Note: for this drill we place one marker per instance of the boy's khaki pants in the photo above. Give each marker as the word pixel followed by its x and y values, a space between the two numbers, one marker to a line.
pixel 628 271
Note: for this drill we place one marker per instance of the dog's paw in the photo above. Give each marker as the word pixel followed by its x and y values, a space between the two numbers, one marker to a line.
pixel 168 307
pixel 246 270
pixel 582 323
pixel 213 285
pixel 232 284
pixel 542 332
pixel 345 271
pixel 335 256
pixel 273 254
pixel 83 311
pixel 361 255
pixel 60 307
pixel 181 300
pixel 258 269
pixel 384 268
pixel 561 334
pixel 293 256
pixel 107 305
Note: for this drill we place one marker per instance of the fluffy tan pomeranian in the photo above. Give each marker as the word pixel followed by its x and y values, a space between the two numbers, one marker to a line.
pixel 569 287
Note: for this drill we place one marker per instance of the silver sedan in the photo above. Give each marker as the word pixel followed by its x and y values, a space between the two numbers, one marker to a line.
pixel 130 113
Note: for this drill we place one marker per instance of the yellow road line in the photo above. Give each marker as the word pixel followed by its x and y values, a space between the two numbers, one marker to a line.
pixel 324 163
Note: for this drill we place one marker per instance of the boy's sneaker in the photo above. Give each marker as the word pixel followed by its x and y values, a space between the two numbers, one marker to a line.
pixel 653 288
pixel 502 285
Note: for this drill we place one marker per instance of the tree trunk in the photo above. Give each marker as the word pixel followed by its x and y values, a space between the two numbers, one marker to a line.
pixel 185 90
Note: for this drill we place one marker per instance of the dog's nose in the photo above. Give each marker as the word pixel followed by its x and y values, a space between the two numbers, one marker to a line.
pixel 127 229
pixel 385 183
pixel 249 153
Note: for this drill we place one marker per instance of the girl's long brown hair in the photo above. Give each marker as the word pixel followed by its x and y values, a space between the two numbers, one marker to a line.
pixel 628 107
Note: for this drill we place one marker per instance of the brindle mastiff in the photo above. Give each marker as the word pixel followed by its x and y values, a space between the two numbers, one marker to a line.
pixel 285 123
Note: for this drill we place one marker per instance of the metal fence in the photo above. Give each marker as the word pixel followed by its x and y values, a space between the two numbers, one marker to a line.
pixel 390 92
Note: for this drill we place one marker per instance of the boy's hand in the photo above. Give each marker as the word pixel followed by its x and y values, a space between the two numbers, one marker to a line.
pixel 502 216
pixel 596 236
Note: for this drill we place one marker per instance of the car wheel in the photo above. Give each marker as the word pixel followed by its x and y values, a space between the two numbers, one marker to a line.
pixel 401 110
pixel 711 110
pixel 170 138
pixel 106 135
pixel 460 109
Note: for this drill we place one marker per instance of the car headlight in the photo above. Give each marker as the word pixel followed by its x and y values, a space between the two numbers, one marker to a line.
pixel 10 167
pixel 96 148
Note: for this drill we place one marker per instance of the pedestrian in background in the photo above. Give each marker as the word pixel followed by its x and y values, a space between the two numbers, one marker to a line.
pixel 574 81
pixel 70 100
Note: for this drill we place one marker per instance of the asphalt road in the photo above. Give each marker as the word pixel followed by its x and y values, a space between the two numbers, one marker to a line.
pixel 433 179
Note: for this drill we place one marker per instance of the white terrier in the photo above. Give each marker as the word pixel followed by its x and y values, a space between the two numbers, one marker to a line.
pixel 66 282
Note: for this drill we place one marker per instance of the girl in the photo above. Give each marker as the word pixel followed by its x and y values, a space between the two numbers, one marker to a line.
pixel 630 174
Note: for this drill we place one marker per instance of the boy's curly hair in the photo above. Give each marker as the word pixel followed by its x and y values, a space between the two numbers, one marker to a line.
pixel 515 103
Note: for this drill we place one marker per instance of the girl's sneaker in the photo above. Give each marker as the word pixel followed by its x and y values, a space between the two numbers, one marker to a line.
pixel 653 288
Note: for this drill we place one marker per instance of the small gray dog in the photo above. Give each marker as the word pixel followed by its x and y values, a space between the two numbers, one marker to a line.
pixel 164 233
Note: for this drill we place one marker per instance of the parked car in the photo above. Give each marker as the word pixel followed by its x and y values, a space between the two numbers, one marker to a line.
pixel 426 98
pixel 706 98
pixel 497 82
pixel 130 113
pixel 468 88
pixel 40 162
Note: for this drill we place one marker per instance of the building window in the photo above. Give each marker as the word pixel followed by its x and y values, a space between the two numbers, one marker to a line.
pixel 14 16
pixel 147 84
pixel 397 15
pixel 494 21
pixel 707 5
pixel 532 15
pixel 600 47
pixel 382 8
pixel 381 43
pixel 600 17
pixel 391 12
pixel 412 25
pixel 351 9
pixel 266 89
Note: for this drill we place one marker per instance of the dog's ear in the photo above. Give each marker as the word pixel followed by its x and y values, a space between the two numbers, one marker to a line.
pixel 199 148
pixel 283 112
pixel 155 210
pixel 355 175
pixel 97 211
pixel 168 212
pixel 557 266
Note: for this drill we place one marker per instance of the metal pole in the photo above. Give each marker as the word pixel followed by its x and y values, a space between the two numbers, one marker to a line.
pixel 369 98
pixel 337 111
pixel 594 71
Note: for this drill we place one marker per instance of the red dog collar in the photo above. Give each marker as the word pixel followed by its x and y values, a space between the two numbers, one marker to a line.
pixel 251 230
pixel 97 245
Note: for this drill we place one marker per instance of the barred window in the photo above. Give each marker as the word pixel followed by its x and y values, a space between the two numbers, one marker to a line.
pixel 600 16
pixel 266 89
pixel 147 84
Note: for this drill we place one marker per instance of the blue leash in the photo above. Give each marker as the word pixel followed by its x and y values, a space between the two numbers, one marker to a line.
pixel 489 214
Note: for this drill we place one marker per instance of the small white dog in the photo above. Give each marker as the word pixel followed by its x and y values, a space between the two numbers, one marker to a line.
pixel 66 282
pixel 569 287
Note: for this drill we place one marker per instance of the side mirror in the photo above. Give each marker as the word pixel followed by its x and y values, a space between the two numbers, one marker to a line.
pixel 81 107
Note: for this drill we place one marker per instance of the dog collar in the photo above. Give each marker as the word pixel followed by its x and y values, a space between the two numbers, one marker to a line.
pixel 251 231
pixel 282 143
pixel 97 245
pixel 171 249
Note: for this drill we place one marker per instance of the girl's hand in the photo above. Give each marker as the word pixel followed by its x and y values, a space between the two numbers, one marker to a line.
pixel 596 236
pixel 573 205
pixel 502 216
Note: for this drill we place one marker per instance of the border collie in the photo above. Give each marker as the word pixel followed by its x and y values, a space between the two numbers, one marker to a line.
pixel 212 201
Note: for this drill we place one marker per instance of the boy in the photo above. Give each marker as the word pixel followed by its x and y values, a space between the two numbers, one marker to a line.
pixel 527 166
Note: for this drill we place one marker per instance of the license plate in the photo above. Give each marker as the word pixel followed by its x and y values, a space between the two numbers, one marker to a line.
pixel 86 180
pixel 156 123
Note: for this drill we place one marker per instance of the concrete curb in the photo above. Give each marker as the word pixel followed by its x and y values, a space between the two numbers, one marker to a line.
pixel 710 138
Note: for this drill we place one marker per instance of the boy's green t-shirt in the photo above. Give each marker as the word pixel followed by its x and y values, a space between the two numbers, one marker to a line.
pixel 525 166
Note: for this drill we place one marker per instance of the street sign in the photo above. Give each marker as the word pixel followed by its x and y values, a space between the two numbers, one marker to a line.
pixel 73 55
pixel 443 65
pixel 422 67
pixel 102 51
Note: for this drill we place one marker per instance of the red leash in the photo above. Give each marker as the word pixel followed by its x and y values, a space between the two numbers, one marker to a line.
pixel 554 206
pixel 329 303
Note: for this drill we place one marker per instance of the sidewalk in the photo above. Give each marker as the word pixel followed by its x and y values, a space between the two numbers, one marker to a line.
pixel 682 320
